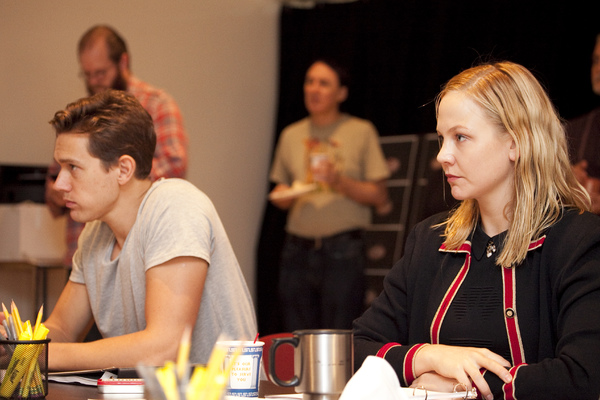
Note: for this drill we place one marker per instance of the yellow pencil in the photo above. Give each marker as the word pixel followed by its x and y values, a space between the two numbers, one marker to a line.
pixel 197 383
pixel 26 331
pixel 184 353
pixel 168 380
pixel 38 321
pixel 5 311
pixel 17 318
pixel 41 332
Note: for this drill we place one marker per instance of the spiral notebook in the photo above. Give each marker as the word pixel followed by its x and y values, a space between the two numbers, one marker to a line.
pixel 404 393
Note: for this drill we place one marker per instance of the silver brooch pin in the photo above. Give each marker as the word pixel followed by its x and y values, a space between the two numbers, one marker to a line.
pixel 490 249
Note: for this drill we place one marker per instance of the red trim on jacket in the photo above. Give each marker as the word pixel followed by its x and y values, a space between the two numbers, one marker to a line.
pixel 409 363
pixel 536 243
pixel 436 324
pixel 383 351
pixel 511 321
pixel 509 388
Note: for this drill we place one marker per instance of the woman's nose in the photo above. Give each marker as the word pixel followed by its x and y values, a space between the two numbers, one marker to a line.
pixel 444 156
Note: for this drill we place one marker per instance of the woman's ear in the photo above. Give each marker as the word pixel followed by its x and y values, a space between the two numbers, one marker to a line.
pixel 513 151
pixel 126 168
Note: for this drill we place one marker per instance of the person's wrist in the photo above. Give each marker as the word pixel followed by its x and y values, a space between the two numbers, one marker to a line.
pixel 421 359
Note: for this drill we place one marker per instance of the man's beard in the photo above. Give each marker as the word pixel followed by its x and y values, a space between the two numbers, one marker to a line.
pixel 118 84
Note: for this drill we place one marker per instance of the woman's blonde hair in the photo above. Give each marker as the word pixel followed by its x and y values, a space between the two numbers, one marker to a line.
pixel 544 184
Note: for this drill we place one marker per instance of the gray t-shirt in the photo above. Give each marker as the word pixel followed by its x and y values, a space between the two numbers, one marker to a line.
pixel 174 219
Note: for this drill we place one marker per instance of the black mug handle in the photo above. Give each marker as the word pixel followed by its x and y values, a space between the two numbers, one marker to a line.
pixel 272 351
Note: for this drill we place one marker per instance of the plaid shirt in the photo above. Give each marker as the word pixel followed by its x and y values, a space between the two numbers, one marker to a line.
pixel 170 156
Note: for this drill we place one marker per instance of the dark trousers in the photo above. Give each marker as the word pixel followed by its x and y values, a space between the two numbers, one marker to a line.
pixel 321 282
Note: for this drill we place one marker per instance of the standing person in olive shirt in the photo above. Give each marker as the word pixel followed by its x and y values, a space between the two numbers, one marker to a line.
pixel 323 258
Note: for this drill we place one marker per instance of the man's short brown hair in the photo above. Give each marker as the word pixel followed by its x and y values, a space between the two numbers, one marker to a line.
pixel 117 125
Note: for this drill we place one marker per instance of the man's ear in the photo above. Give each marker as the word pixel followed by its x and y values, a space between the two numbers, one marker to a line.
pixel 124 62
pixel 342 94
pixel 126 168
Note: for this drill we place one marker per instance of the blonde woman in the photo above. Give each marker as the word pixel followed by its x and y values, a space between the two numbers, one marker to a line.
pixel 501 295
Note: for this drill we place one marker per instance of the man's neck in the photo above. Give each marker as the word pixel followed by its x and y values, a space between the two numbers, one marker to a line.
pixel 123 216
pixel 325 119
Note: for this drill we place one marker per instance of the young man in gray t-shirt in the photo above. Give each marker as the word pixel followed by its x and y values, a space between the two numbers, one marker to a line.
pixel 153 258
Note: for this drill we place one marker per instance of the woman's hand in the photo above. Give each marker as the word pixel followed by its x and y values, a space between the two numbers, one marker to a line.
pixel 462 365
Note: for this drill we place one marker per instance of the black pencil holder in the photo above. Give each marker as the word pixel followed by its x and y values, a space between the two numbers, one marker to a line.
pixel 23 369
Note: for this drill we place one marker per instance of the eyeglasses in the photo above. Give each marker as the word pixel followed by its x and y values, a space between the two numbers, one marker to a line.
pixel 98 74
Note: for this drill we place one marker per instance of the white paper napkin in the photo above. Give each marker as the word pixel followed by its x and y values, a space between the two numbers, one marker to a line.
pixel 375 379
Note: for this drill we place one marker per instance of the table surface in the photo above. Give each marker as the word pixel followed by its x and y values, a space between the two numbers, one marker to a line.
pixel 67 391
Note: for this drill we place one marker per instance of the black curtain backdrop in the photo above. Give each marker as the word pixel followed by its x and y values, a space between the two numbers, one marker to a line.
pixel 400 52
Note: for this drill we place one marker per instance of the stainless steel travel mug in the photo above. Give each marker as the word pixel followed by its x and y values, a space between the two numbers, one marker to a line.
pixel 323 362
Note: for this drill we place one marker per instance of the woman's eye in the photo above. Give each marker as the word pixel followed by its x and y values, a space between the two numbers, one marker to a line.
pixel 460 138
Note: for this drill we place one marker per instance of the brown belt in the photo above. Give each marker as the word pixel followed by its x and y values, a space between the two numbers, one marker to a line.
pixel 317 243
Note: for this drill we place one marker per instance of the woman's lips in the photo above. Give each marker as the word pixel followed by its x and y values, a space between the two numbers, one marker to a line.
pixel 451 178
